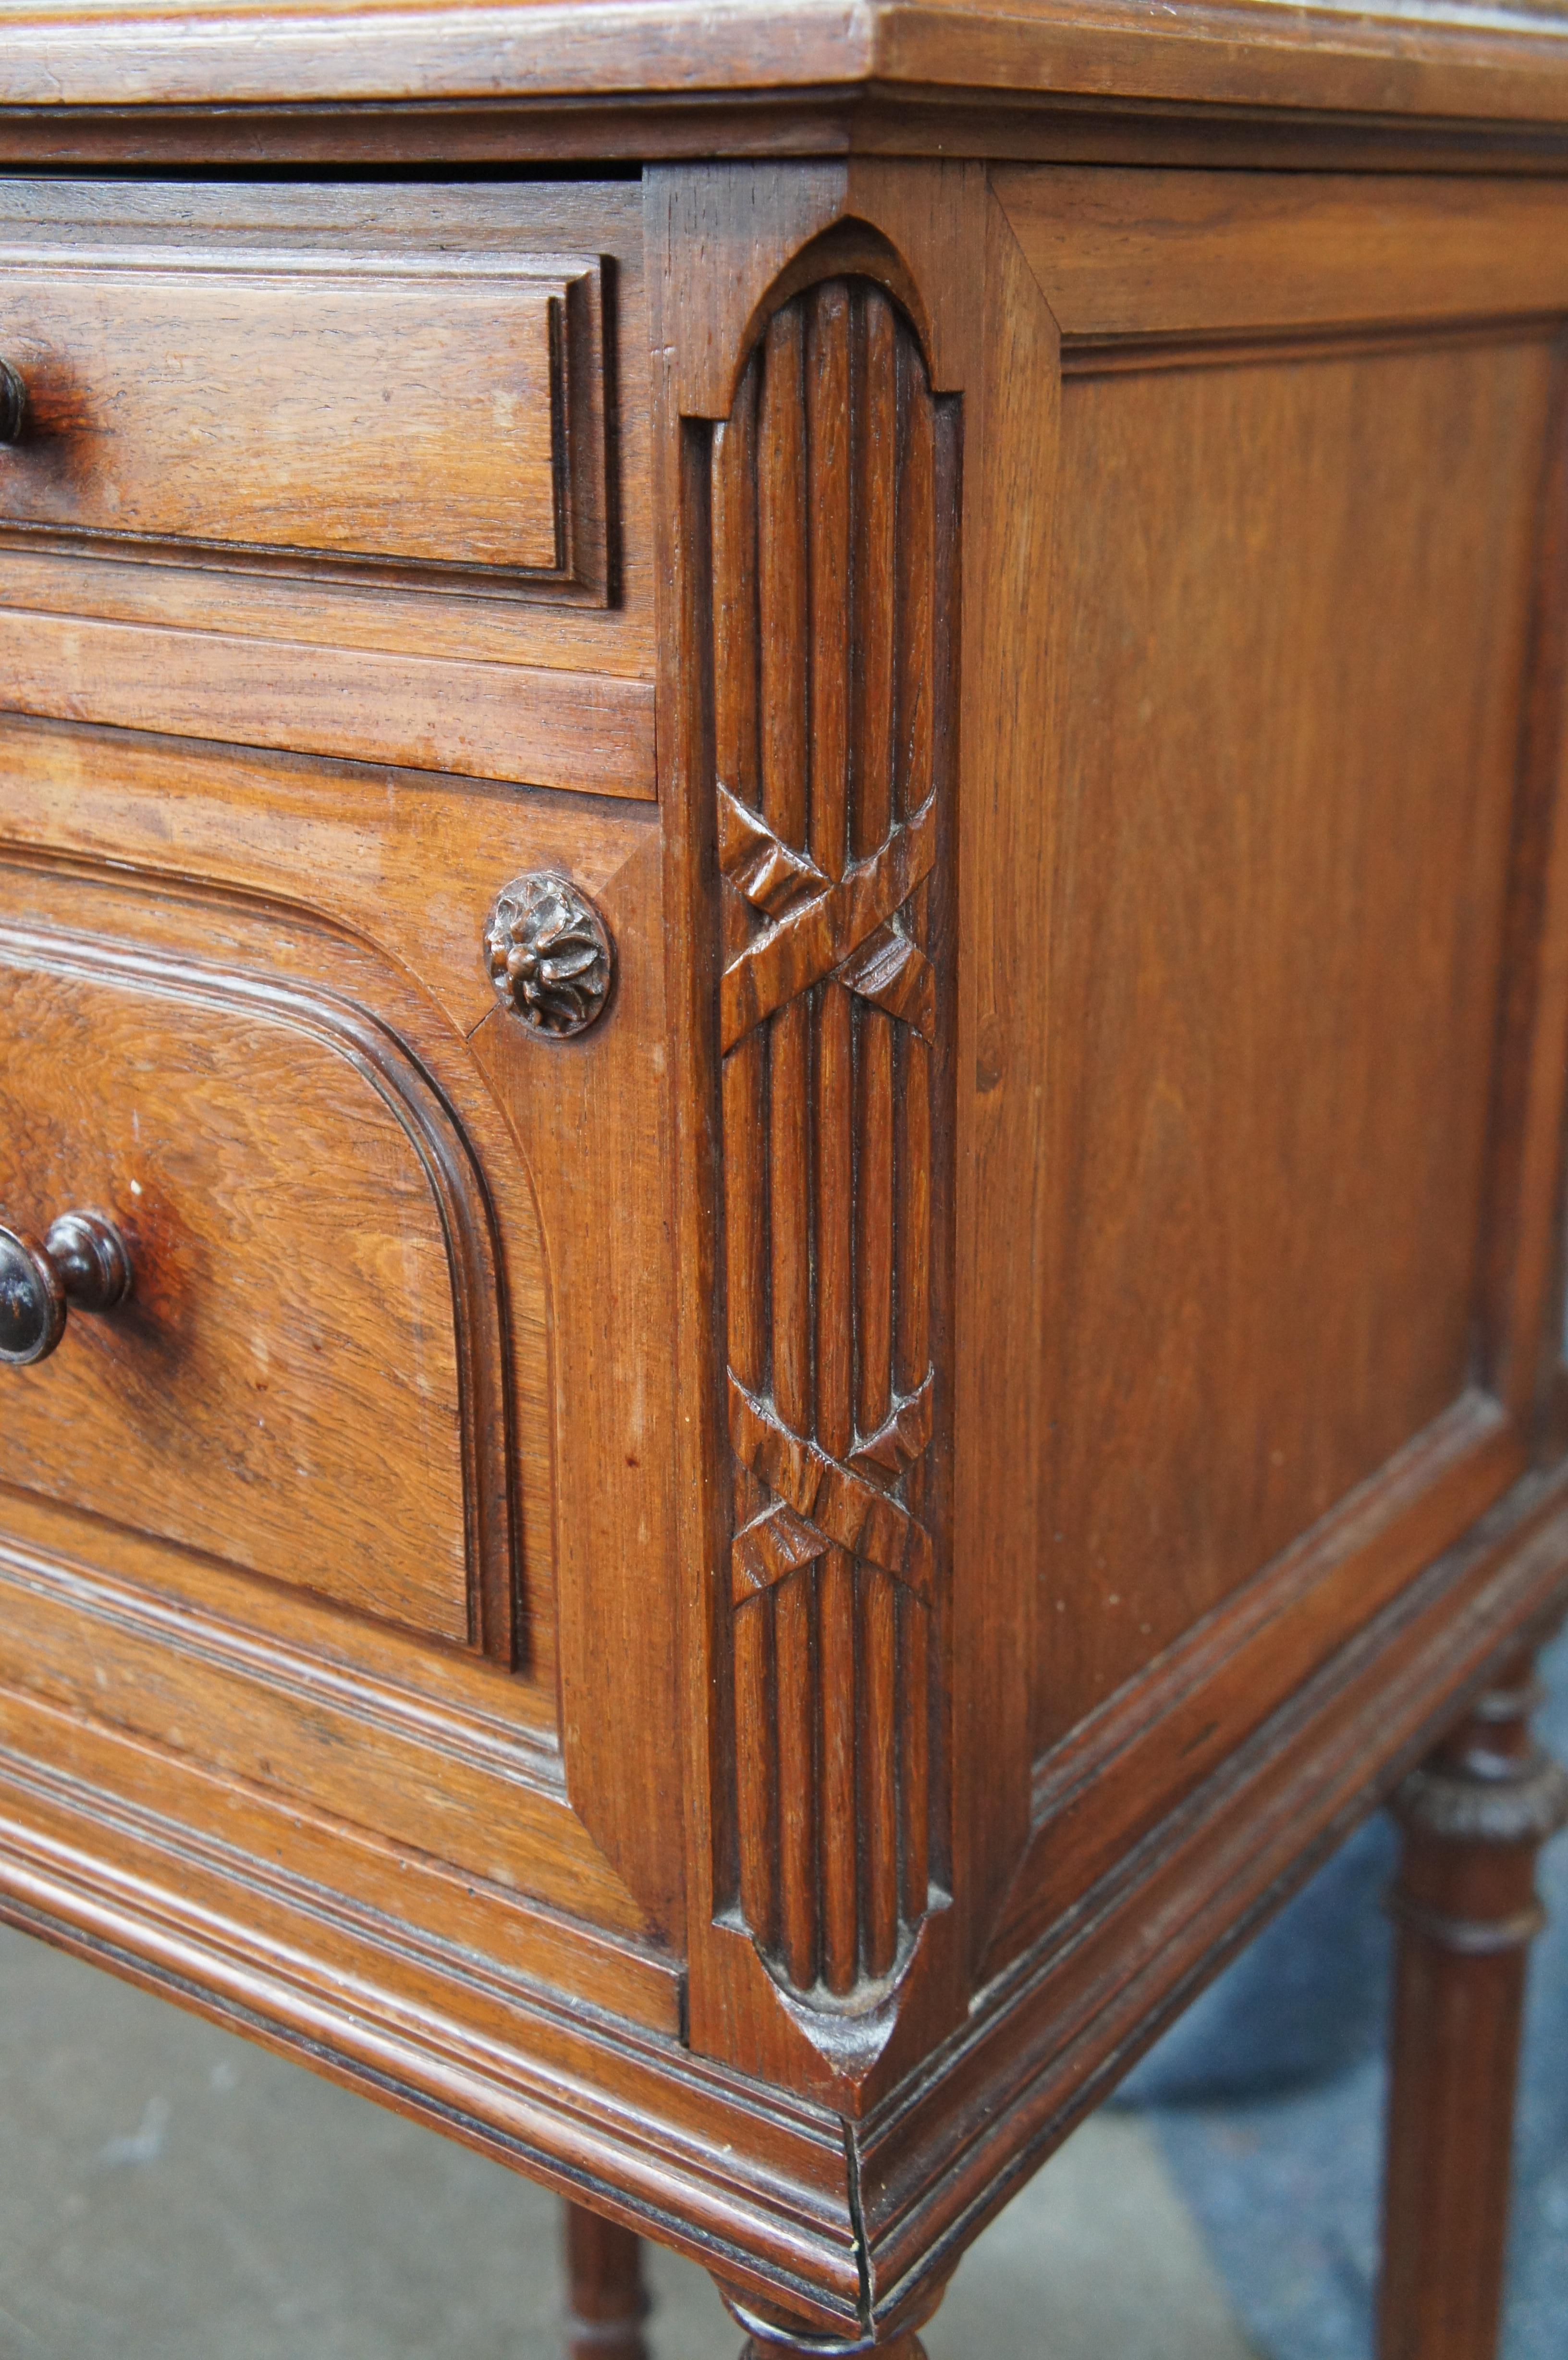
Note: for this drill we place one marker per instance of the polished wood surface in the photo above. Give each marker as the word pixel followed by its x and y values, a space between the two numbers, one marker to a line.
pixel 1493 66
pixel 334 468
pixel 607 2300
pixel 841 578
pixel 132 372
pixel 807 910
pixel 1474 1818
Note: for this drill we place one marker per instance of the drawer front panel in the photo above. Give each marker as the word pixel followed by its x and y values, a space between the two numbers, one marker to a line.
pixel 290 1388
pixel 354 471
pixel 411 410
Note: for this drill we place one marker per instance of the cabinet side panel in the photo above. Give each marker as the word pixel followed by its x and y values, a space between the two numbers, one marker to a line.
pixel 1293 599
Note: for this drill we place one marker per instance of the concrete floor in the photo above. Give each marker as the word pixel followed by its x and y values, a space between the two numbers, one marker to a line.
pixel 169 2193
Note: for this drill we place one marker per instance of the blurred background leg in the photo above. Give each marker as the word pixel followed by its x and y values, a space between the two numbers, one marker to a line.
pixel 1474 1818
pixel 607 2300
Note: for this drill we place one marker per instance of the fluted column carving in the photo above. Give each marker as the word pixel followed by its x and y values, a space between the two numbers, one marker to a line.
pixel 1474 1817
pixel 833 548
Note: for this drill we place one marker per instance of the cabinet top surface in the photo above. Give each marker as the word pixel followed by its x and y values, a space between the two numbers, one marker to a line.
pixel 1437 59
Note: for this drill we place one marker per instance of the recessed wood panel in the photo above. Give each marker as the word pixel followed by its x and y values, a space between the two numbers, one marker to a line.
pixel 1292 604
pixel 284 1391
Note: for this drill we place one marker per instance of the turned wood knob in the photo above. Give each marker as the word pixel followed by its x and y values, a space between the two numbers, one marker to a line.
pixel 12 402
pixel 82 1261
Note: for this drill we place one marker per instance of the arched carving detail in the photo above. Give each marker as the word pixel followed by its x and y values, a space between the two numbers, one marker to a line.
pixel 835 546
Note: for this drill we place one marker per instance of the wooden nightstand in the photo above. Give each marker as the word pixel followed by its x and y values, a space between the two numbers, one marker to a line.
pixel 783 1011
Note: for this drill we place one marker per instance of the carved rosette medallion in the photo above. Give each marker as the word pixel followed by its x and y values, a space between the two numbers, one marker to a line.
pixel 834 549
pixel 549 954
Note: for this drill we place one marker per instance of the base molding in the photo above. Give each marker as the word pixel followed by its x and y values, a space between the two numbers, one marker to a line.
pixel 778 2198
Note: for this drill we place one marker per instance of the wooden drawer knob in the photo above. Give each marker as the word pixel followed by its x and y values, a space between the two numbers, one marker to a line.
pixel 549 954
pixel 13 403
pixel 82 1261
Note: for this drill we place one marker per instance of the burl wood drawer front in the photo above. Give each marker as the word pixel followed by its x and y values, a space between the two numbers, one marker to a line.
pixel 344 470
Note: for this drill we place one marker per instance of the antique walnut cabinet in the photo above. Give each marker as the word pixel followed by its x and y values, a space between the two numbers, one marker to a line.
pixel 783 1013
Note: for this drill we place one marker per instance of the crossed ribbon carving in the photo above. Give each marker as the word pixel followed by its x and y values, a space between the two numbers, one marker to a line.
pixel 824 1504
pixel 824 930
pixel 840 932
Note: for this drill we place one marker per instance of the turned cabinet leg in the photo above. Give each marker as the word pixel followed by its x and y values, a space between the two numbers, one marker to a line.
pixel 772 2335
pixel 1474 1817
pixel 607 2300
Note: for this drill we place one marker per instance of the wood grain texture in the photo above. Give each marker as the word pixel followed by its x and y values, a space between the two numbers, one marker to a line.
pixel 1252 52
pixel 1521 1337
pixel 1192 254
pixel 218 1922
pixel 1127 1764
pixel 1089 1017
pixel 237 375
pixel 272 402
pixel 938 125
pixel 1067 2022
pixel 282 1390
pixel 141 226
pixel 1006 916
pixel 314 1329
pixel 575 2096
pixel 1286 938
pixel 547 727
pixel 830 563
pixel 337 469
pixel 588 1117
pixel 730 251
pixel 359 1743
pixel 413 866
pixel 410 861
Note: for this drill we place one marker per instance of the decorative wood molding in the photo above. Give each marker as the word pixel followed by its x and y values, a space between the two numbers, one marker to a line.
pixel 834 550
pixel 591 2104
pixel 489 361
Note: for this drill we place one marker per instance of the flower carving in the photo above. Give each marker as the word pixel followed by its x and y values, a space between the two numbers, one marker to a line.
pixel 549 954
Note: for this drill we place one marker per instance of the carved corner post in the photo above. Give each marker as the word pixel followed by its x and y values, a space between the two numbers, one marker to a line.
pixel 607 2300
pixel 816 330
pixel 833 491
pixel 1474 1816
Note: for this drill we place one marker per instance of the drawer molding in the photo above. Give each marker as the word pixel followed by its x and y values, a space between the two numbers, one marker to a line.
pixel 523 726
pixel 430 419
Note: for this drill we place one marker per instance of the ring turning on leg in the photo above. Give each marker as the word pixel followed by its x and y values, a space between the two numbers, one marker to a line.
pixel 1474 1816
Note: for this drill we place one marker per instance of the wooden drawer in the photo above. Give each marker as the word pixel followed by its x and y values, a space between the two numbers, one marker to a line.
pixel 343 1499
pixel 305 1380
pixel 330 406
pixel 333 468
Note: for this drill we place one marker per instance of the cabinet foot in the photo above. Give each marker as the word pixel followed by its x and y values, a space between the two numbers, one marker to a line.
pixel 1474 1816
